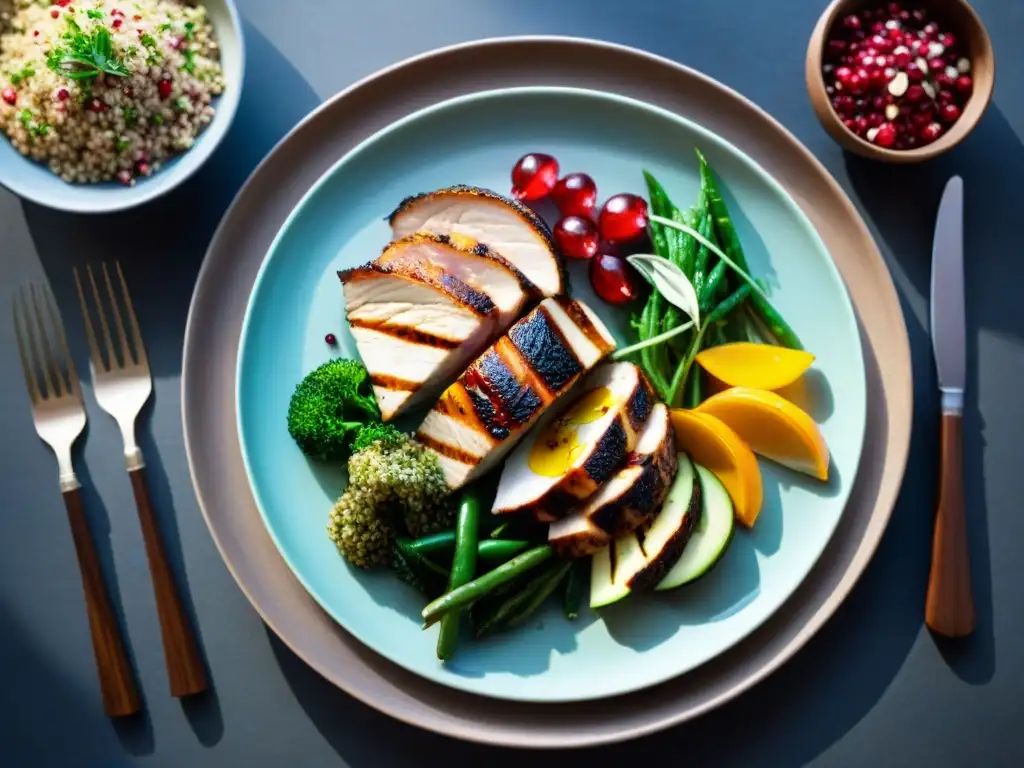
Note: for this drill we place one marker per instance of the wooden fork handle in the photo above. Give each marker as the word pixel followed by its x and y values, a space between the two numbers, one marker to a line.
pixel 181 652
pixel 117 683
pixel 949 607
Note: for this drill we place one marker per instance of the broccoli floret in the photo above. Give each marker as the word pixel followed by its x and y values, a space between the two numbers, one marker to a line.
pixel 329 407
pixel 396 486
pixel 371 433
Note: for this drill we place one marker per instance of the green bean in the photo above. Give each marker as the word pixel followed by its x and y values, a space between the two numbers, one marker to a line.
pixel 662 206
pixel 730 242
pixel 700 265
pixel 473 590
pixel 715 280
pixel 542 593
pixel 692 397
pixel 418 558
pixel 515 603
pixel 463 568
pixel 575 585
pixel 689 218
pixel 729 303
pixel 649 324
pixel 418 572
pixel 486 549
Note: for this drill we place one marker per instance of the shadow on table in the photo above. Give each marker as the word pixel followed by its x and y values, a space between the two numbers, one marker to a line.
pixel 902 202
pixel 39 691
pixel 160 247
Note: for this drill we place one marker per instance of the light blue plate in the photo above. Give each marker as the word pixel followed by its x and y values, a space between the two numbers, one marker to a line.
pixel 297 299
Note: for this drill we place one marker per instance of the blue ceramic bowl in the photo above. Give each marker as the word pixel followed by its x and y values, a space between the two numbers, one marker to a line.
pixel 33 181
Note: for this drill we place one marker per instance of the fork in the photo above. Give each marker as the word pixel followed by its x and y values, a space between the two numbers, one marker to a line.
pixel 59 418
pixel 123 383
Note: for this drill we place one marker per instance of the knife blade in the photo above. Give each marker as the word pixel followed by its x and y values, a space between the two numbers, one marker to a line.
pixel 948 311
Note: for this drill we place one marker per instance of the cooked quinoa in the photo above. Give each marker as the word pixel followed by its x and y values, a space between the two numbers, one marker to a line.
pixel 106 89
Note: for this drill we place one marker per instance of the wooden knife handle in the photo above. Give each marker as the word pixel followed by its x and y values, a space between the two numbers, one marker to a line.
pixel 181 652
pixel 949 607
pixel 117 683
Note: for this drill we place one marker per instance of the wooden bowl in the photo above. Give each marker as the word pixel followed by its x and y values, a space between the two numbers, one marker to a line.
pixel 955 15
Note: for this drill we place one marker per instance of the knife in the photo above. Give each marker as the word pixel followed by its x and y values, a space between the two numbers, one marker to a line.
pixel 949 605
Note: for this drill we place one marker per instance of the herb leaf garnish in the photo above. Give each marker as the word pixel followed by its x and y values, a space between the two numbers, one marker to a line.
pixel 85 56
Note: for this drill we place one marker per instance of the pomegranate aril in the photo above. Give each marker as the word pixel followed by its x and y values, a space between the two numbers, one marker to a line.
pixel 534 176
pixel 611 279
pixel 949 113
pixel 914 93
pixel 930 132
pixel 875 119
pixel 885 136
pixel 623 218
pixel 575 195
pixel 576 237
pixel 10 95
pixel 964 83
pixel 945 97
pixel 843 104
pixel 852 22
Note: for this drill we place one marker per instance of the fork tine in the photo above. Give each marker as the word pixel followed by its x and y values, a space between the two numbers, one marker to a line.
pixel 51 360
pixel 140 349
pixel 37 342
pixel 90 334
pixel 126 353
pixel 111 357
pixel 24 351
pixel 62 342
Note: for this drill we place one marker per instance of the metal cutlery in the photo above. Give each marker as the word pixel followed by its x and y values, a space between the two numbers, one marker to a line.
pixel 123 383
pixel 949 606
pixel 59 418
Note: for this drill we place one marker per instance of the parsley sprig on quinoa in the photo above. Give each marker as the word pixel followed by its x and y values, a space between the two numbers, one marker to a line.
pixel 85 56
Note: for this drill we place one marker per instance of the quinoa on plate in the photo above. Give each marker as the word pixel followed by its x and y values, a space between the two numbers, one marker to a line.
pixel 106 89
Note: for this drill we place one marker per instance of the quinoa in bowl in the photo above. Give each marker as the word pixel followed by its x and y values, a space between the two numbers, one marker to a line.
pixel 99 90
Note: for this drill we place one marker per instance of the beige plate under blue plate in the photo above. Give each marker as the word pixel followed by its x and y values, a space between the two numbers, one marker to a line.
pixel 222 294
pixel 475 140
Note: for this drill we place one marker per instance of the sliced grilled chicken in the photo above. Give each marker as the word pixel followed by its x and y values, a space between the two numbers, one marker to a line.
pixel 577 448
pixel 504 392
pixel 507 226
pixel 475 264
pixel 416 326
pixel 629 499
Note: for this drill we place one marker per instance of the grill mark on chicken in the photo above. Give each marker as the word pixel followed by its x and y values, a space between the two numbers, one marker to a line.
pixel 456 454
pixel 543 346
pixel 638 409
pixel 393 383
pixel 579 316
pixel 488 415
pixel 428 274
pixel 522 370
pixel 406 333
pixel 606 456
pixel 517 402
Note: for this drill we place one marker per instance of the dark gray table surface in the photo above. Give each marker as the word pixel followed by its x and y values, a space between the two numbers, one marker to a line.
pixel 873 688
